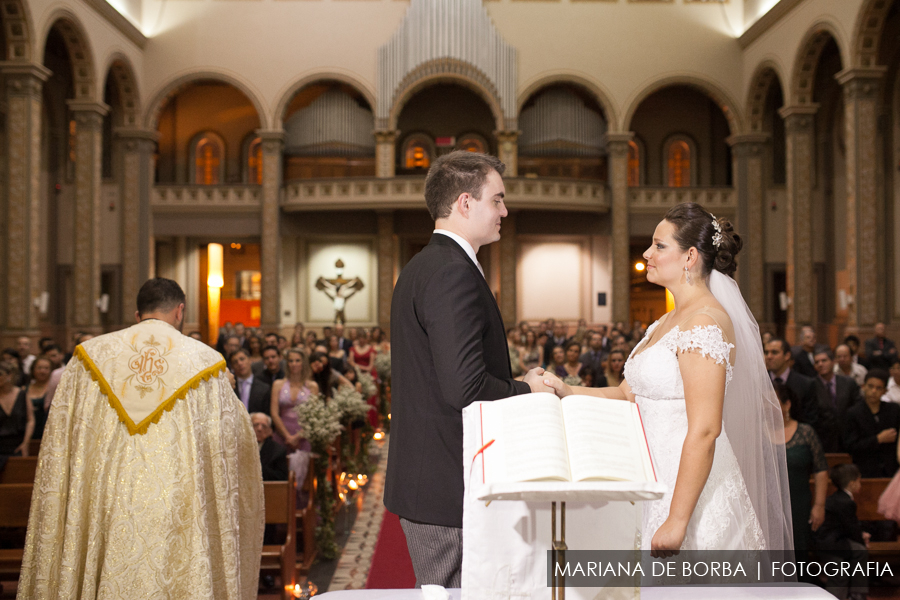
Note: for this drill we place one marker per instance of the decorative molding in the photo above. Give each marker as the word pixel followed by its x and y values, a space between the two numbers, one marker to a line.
pixel 767 21
pixel 18 32
pixel 658 199
pixel 166 198
pixel 119 21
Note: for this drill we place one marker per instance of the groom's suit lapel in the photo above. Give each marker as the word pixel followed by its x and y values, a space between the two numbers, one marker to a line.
pixel 443 240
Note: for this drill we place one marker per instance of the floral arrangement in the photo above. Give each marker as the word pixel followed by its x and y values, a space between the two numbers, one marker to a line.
pixel 369 387
pixel 350 404
pixel 321 422
pixel 572 380
pixel 383 365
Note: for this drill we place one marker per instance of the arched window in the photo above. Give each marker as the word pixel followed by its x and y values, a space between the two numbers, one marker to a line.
pixel 634 164
pixel 472 143
pixel 209 159
pixel 417 152
pixel 254 162
pixel 678 163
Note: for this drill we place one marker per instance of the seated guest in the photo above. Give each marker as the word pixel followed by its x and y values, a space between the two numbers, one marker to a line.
pixel 803 354
pixel 16 414
pixel 557 339
pixel 232 344
pixel 272 366
pixel 532 352
pixel 879 349
pixel 893 387
pixel 571 366
pixel 854 344
pixel 272 455
pixel 871 429
pixel 336 355
pixel 36 393
pixel 254 393
pixel 23 345
pixel 615 368
pixel 841 536
pixel 778 362
pixel 325 377
pixel 836 394
pixel 11 355
pixel 254 346
pixel 594 358
pixel 271 339
pixel 516 354
pixel 196 335
pixel 557 360
pixel 845 366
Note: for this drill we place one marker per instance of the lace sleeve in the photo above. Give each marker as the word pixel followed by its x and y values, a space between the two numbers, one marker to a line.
pixel 809 437
pixel 706 340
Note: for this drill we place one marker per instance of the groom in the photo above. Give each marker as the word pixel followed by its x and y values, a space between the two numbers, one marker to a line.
pixel 449 350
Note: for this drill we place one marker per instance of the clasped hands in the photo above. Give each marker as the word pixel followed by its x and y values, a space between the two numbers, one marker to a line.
pixel 540 380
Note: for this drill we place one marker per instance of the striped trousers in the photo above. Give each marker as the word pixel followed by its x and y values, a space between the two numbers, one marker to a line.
pixel 436 553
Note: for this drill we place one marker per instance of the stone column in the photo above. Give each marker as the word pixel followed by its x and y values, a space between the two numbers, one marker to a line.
pixel 748 153
pixel 617 147
pixel 23 265
pixel 385 255
pixel 137 217
pixel 88 157
pixel 385 152
pixel 508 263
pixel 799 125
pixel 270 246
pixel 862 87
pixel 508 151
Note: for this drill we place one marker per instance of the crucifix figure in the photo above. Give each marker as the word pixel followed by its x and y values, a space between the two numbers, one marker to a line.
pixel 339 289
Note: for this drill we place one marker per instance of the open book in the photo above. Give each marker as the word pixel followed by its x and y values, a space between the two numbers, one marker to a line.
pixel 538 437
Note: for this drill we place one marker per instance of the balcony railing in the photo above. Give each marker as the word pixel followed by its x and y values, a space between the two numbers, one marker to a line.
pixel 657 199
pixel 193 197
pixel 409 192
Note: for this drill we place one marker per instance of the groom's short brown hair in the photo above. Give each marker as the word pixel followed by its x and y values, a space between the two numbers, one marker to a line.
pixel 456 173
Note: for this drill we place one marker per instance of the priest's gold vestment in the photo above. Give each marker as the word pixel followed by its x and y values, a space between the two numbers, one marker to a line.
pixel 148 482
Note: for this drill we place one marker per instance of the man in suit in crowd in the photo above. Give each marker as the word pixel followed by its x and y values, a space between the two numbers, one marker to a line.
pixel 871 432
pixel 558 338
pixel 845 366
pixel 594 357
pixel 880 350
pixel 271 367
pixel 232 344
pixel 778 362
pixel 253 393
pixel 449 350
pixel 804 353
pixel 836 395
pixel 343 342
pixel 272 455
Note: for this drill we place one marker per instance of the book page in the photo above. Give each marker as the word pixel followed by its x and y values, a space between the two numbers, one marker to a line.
pixel 602 439
pixel 530 439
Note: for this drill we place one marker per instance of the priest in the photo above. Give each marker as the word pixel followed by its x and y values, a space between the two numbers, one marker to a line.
pixel 148 483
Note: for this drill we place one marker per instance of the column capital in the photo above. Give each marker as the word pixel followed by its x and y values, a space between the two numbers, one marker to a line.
pixel 860 73
pixel 799 118
pixel 620 137
pixel 861 83
pixel 740 139
pixel 386 136
pixel 507 135
pixel 24 78
pixel 272 140
pixel 88 112
pixel 798 109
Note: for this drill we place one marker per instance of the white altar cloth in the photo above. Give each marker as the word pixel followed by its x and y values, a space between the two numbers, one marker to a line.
pixel 795 592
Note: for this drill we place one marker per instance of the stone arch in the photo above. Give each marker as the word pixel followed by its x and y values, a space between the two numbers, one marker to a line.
pixel 159 99
pixel 767 73
pixel 17 26
pixel 722 98
pixel 448 71
pixel 292 89
pixel 867 33
pixel 83 72
pixel 119 68
pixel 598 93
pixel 804 75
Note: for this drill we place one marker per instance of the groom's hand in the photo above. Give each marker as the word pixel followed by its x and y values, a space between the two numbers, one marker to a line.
pixel 535 380
pixel 556 385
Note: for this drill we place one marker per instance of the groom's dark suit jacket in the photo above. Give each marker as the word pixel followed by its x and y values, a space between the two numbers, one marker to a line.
pixel 448 348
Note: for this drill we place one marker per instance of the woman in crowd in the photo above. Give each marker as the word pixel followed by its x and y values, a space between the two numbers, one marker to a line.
pixel 254 346
pixel 325 377
pixel 362 353
pixel 310 342
pixel 36 393
pixel 379 341
pixel 296 388
pixel 12 355
pixel 532 353
pixel 571 366
pixel 557 360
pixel 615 365
pixel 297 339
pixel 515 352
pixel 805 458
pixel 16 414
pixel 336 355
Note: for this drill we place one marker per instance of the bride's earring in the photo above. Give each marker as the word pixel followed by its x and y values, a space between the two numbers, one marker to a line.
pixel 687 276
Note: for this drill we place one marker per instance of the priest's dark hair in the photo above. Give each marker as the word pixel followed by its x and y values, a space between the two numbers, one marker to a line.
pixel 159 295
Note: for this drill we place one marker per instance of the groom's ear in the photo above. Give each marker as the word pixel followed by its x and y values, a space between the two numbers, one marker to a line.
pixel 462 204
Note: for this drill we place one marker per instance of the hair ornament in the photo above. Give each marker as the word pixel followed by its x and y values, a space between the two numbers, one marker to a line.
pixel 717 238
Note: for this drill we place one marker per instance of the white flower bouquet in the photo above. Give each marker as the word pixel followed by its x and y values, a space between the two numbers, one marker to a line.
pixel 369 387
pixel 383 365
pixel 321 422
pixel 350 404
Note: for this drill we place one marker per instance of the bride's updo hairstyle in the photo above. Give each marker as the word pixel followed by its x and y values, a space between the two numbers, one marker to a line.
pixel 694 228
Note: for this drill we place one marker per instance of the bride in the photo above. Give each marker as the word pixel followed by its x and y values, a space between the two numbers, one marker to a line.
pixel 710 414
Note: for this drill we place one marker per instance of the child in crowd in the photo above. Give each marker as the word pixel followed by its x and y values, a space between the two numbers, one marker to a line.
pixel 840 537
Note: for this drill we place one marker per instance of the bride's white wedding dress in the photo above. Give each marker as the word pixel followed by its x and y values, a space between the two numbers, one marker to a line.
pixel 724 518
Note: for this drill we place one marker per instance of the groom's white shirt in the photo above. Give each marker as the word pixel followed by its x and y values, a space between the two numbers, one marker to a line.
pixel 466 246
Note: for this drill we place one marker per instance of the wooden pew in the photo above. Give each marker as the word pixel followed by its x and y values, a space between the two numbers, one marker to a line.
pixel 306 520
pixel 15 502
pixel 34 447
pixel 19 469
pixel 838 458
pixel 281 509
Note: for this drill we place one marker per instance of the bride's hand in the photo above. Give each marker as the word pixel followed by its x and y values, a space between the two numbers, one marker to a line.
pixel 667 540
pixel 552 381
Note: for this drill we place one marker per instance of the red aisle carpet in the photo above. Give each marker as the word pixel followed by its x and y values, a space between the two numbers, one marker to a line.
pixel 391 566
